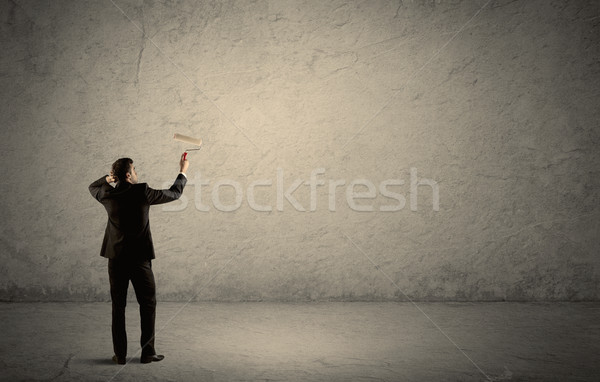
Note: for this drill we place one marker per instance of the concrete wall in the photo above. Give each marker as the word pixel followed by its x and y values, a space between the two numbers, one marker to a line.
pixel 494 104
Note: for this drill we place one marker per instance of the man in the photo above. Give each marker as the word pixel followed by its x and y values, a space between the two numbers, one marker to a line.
pixel 128 246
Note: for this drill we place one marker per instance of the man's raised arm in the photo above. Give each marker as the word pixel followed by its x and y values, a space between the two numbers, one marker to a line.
pixel 174 192
pixel 97 187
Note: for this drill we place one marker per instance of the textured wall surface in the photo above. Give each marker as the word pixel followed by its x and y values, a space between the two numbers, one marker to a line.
pixel 491 105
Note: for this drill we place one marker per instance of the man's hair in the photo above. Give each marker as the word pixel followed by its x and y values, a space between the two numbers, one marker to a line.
pixel 121 167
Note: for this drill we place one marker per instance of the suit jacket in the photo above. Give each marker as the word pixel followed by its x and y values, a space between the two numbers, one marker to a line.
pixel 127 232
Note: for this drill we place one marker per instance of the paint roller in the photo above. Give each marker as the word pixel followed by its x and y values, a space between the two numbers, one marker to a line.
pixel 190 140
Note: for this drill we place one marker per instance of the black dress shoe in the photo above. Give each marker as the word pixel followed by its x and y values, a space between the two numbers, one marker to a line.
pixel 152 358
pixel 118 360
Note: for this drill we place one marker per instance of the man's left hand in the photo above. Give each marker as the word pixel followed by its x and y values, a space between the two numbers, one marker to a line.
pixel 110 178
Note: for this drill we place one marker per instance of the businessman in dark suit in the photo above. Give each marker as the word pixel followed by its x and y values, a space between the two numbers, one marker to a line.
pixel 128 246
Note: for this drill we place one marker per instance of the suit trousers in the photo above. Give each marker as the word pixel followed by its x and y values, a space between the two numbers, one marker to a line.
pixel 140 273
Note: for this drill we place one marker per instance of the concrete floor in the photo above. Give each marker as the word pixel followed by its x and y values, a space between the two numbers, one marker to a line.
pixel 308 342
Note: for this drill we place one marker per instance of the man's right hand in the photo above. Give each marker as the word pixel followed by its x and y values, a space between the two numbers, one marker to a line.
pixel 183 164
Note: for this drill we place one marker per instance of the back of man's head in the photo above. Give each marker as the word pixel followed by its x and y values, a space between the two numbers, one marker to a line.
pixel 121 167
